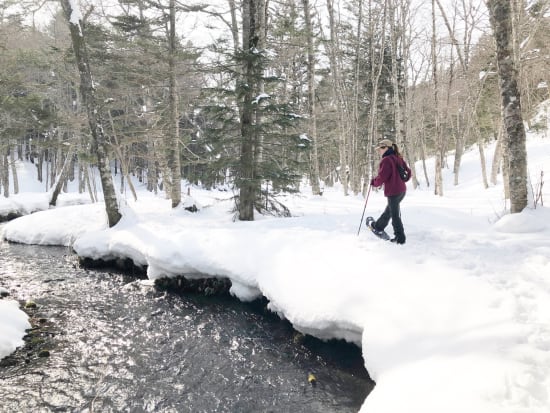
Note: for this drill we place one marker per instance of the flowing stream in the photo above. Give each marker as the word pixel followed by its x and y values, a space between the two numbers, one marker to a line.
pixel 112 343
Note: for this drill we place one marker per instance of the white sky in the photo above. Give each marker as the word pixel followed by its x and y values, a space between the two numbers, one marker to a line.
pixel 202 29
pixel 456 320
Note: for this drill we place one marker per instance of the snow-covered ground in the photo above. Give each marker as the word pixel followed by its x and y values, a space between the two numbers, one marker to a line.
pixel 456 320
pixel 13 323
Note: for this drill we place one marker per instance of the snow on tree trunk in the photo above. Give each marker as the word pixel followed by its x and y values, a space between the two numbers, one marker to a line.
pixel 92 108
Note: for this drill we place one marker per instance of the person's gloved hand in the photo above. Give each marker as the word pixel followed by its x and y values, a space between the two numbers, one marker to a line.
pixel 372 182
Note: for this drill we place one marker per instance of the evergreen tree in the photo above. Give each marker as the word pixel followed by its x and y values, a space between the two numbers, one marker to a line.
pixel 250 125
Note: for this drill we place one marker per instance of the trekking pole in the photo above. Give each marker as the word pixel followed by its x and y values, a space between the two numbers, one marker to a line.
pixel 364 209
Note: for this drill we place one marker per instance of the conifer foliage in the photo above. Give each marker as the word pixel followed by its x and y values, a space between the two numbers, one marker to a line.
pixel 271 95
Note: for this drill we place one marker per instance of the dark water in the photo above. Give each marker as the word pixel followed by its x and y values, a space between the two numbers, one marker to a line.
pixel 117 345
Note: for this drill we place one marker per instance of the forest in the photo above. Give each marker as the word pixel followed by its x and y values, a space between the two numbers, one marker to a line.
pixel 256 95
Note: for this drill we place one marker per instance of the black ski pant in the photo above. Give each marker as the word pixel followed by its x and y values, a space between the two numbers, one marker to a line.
pixel 393 212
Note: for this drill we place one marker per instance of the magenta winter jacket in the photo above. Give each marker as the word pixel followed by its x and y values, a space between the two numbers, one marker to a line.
pixel 388 175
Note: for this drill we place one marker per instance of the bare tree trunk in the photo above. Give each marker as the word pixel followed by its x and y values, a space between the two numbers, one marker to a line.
pixel 396 38
pixel 14 173
pixel 94 118
pixel 403 86
pixel 483 162
pixel 500 14
pixel 312 121
pixel 339 96
pixel 356 172
pixel 39 167
pixel 438 187
pixel 497 157
pixel 123 162
pixel 48 163
pixel 470 12
pixel 152 170
pixel 452 75
pixel 376 72
pixel 459 151
pixel 234 24
pixel 261 33
pixel 505 169
pixel 81 181
pixel 247 181
pixel 51 168
pixel 174 162
pixel 423 154
pixel 91 190
pixel 5 174
pixel 413 153
pixel 61 179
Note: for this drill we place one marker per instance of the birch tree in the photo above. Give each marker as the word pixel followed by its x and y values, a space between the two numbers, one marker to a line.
pixel 439 150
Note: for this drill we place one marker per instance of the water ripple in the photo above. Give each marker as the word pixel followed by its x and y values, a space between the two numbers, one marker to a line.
pixel 118 345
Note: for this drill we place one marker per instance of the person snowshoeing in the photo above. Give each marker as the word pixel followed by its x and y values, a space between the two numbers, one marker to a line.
pixel 394 188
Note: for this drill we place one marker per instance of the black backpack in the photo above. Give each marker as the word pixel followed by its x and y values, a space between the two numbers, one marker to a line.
pixel 403 173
